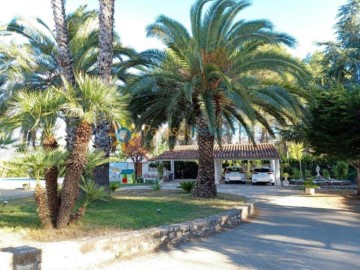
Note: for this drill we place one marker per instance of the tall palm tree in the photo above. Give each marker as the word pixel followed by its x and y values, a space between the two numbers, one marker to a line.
pixel 212 74
pixel 88 101
pixel 105 59
pixel 62 37
pixel 34 64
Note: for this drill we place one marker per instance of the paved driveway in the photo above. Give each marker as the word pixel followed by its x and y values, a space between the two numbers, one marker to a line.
pixel 289 232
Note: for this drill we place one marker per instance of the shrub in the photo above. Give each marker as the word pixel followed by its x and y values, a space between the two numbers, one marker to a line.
pixel 325 173
pixel 309 183
pixel 296 173
pixel 156 186
pixel 187 185
pixel 93 192
pixel 140 180
pixel 114 186
pixel 307 173
pixel 341 170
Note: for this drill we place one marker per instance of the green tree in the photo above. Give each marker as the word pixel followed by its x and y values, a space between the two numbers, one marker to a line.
pixel 33 64
pixel 342 58
pixel 212 74
pixel 38 112
pixel 341 170
pixel 334 128
pixel 296 152
pixel 91 99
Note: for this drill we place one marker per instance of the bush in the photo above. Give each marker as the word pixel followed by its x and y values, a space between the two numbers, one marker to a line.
pixel 187 185
pixel 296 173
pixel 341 170
pixel 307 173
pixel 114 186
pixel 309 183
pixel 325 173
pixel 156 186
pixel 93 192
pixel 140 180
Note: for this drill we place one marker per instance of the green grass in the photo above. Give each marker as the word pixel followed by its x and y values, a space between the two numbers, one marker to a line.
pixel 128 210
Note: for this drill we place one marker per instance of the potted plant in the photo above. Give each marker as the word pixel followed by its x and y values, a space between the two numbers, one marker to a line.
pixel 310 186
pixel 286 181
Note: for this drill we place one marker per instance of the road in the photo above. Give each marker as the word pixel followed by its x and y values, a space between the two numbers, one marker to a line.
pixel 290 231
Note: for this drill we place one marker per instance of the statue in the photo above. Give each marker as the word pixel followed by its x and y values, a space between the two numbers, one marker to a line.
pixel 317 171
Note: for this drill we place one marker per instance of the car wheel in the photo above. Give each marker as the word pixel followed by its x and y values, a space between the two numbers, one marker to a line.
pixel 273 184
pixel 226 182
pixel 253 183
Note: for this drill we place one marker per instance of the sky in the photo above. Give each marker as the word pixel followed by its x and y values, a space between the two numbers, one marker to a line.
pixel 308 21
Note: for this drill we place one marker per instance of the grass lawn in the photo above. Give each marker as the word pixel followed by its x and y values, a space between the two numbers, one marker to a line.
pixel 128 210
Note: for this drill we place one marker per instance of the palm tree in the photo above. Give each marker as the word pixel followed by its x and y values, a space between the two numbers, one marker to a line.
pixel 212 74
pixel 38 111
pixel 88 101
pixel 37 162
pixel 105 59
pixel 62 37
pixel 34 64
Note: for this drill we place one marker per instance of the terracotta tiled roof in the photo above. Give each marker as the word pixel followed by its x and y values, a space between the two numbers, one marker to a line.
pixel 228 151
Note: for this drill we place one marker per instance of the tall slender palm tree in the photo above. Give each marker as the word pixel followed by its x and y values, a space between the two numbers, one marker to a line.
pixel 105 60
pixel 212 74
pixel 62 37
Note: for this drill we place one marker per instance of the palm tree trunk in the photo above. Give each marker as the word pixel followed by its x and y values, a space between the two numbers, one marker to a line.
pixel 102 139
pixel 205 183
pixel 51 178
pixel 64 59
pixel 106 25
pixel 103 143
pixel 41 203
pixel 62 38
pixel 74 170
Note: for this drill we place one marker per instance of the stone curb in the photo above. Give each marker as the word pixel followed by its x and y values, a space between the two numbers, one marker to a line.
pixel 92 251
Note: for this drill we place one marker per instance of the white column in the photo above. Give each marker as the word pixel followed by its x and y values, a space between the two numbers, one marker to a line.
pixel 277 172
pixel 272 165
pixel 216 173
pixel 172 167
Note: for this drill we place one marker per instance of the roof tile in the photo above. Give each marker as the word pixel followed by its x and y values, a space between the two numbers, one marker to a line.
pixel 229 151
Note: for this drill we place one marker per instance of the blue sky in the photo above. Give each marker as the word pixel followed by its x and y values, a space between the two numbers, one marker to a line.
pixel 308 21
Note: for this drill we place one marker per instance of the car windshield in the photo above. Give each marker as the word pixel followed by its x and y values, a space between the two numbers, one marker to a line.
pixel 234 169
pixel 259 170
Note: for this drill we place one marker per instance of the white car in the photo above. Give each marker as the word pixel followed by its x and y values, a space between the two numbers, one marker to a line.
pixel 263 175
pixel 234 173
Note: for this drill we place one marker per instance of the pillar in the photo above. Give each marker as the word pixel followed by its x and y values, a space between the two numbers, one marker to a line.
pixel 277 172
pixel 172 168
pixel 217 171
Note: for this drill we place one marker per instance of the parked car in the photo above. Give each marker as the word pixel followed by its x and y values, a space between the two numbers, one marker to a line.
pixel 234 173
pixel 263 175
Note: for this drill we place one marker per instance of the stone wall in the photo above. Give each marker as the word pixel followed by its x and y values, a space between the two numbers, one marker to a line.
pixel 92 251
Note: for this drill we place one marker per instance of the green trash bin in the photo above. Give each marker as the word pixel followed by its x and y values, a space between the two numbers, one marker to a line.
pixel 127 176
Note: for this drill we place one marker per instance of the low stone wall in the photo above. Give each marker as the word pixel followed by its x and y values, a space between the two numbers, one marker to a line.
pixel 92 251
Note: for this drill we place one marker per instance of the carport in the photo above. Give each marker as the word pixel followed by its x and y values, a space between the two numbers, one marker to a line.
pixel 261 151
